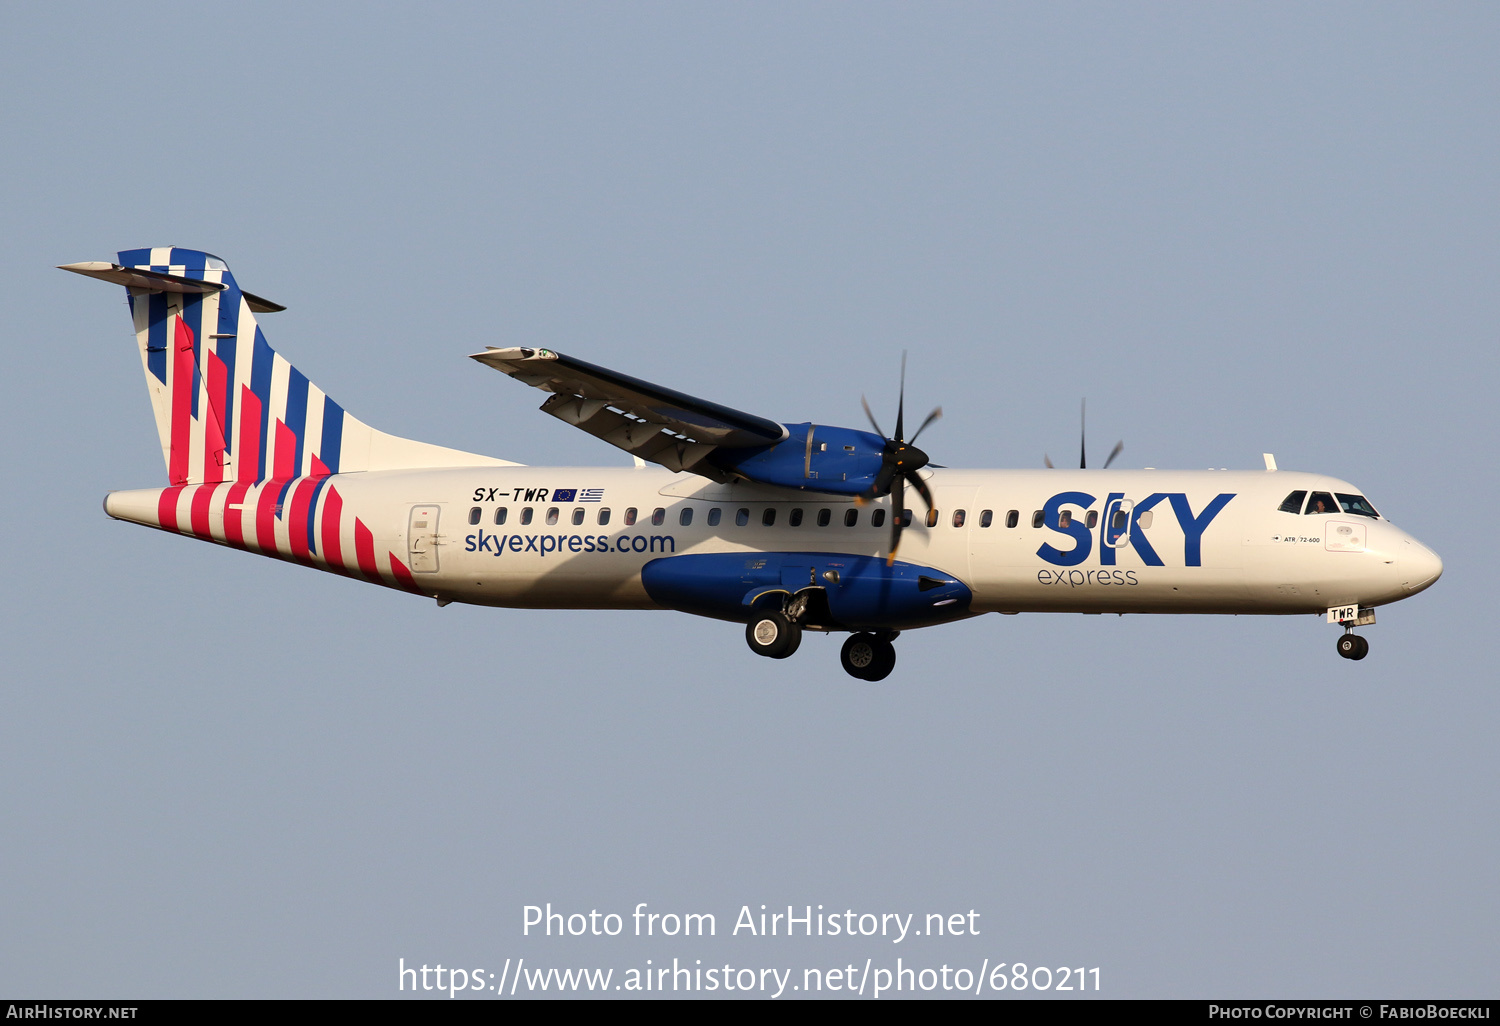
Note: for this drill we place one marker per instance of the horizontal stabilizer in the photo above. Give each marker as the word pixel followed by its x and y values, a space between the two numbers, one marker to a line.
pixel 158 281
pixel 648 421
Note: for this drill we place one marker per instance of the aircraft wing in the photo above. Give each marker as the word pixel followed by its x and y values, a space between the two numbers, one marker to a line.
pixel 654 423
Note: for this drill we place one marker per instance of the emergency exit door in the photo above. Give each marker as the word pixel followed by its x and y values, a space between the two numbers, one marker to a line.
pixel 422 539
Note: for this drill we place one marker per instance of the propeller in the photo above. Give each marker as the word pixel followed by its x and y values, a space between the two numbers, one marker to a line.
pixel 900 460
pixel 1083 458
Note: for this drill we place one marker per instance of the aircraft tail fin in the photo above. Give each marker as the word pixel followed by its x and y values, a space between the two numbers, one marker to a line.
pixel 228 407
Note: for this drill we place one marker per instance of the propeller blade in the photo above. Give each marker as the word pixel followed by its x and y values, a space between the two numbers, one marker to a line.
pixel 866 404
pixel 1083 459
pixel 936 414
pixel 1119 447
pixel 883 479
pixel 898 504
pixel 920 486
pixel 901 401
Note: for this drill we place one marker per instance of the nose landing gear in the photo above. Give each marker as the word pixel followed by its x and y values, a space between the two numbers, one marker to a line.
pixel 1351 645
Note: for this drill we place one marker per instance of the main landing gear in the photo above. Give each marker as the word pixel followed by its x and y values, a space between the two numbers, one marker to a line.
pixel 773 635
pixel 866 655
pixel 869 656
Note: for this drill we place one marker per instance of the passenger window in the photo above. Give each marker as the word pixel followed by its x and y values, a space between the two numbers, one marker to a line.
pixel 1065 518
pixel 551 516
pixel 958 518
pixel 475 514
pixel 578 516
pixel 794 518
pixel 714 515
pixel 851 517
pixel 741 517
pixel 906 518
pixel 1092 520
pixel 526 515
pixel 686 516
pixel 658 516
pixel 500 514
pixel 630 517
pixel 1036 518
pixel 768 517
pixel 824 515
pixel 932 516
pixel 1356 504
pixel 1143 519
pixel 1013 518
pixel 603 516
pixel 1319 503
pixel 1119 520
pixel 1293 502
pixel 987 518
pixel 877 518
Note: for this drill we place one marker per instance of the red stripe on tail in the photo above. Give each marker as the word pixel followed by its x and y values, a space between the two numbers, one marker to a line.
pixel 285 455
pixel 215 453
pixel 330 520
pixel 297 523
pixel 182 403
pixel 364 551
pixel 403 575
pixel 166 507
pixel 266 508
pixel 247 463
pixel 203 497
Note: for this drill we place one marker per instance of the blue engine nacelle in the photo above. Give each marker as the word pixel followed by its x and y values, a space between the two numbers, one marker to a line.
pixel 813 457
pixel 860 592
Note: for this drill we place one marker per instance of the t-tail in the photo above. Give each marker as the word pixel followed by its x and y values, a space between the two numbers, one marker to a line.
pixel 250 444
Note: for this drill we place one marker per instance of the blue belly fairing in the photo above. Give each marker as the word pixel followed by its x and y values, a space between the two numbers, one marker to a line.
pixel 861 592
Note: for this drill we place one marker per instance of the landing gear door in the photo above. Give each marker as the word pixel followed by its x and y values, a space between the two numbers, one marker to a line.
pixel 422 539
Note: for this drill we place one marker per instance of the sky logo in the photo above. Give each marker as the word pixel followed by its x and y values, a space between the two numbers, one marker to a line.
pixel 1193 525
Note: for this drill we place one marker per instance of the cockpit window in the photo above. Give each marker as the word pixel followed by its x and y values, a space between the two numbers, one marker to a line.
pixel 1356 504
pixel 1293 503
pixel 1320 502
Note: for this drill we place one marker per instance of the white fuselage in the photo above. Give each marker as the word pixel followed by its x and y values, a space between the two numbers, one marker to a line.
pixel 448 528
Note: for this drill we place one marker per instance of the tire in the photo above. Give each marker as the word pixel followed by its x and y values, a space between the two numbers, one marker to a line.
pixel 1364 648
pixel 885 661
pixel 858 655
pixel 867 657
pixel 772 635
pixel 1352 646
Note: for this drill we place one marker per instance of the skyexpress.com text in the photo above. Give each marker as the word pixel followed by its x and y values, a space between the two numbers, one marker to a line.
pixel 545 544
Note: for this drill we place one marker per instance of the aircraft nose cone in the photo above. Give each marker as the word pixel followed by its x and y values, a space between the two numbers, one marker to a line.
pixel 1420 565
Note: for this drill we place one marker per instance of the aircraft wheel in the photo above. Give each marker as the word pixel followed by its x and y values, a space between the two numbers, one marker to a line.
pixel 1352 646
pixel 867 657
pixel 773 635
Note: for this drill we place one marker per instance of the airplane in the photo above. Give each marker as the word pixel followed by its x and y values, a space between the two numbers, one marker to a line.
pixel 781 527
